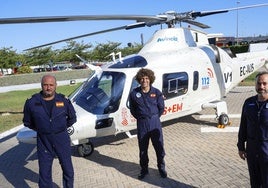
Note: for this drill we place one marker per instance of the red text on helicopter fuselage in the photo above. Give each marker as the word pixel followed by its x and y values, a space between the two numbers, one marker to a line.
pixel 172 109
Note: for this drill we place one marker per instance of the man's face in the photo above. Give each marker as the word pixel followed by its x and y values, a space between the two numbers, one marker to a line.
pixel 145 82
pixel 262 84
pixel 48 86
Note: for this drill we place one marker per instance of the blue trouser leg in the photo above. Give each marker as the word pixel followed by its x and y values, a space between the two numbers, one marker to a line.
pixel 143 147
pixel 67 169
pixel 254 171
pixel 45 170
pixel 264 172
pixel 157 141
pixel 45 160
pixel 63 151
pixel 151 129
pixel 48 146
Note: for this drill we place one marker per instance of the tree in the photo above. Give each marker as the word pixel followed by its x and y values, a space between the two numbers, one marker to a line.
pixel 68 52
pixel 8 58
pixel 45 56
pixel 101 51
pixel 39 56
pixel 131 49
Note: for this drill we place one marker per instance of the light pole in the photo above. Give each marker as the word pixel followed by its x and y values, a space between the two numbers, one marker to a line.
pixel 237 3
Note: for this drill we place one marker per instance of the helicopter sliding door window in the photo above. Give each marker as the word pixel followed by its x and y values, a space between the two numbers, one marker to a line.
pixel 175 84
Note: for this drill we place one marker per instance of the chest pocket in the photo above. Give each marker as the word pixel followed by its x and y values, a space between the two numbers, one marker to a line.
pixel 38 112
pixel 151 103
pixel 152 99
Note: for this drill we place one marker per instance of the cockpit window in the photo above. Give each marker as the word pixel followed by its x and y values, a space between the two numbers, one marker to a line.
pixel 130 62
pixel 102 96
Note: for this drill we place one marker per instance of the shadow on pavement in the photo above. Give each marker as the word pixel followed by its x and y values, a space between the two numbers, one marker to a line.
pixel 129 168
pixel 13 165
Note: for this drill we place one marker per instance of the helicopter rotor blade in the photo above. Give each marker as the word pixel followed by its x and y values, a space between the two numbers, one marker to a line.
pixel 43 19
pixel 161 18
pixel 127 27
pixel 170 18
pixel 188 17
pixel 208 13
pixel 198 24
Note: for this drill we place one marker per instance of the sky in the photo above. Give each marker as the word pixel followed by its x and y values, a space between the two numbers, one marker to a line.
pixel 251 22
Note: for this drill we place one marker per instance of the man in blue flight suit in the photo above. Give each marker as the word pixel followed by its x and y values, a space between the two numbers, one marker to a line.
pixel 147 105
pixel 50 114
pixel 254 132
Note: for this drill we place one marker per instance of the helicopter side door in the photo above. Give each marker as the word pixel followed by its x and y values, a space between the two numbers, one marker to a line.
pixel 175 89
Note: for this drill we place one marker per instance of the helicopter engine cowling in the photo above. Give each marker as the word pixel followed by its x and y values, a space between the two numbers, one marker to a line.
pixel 216 53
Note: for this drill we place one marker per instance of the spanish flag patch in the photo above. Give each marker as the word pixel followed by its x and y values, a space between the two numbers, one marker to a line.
pixel 153 95
pixel 59 104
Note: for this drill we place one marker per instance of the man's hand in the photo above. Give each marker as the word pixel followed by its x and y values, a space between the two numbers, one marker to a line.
pixel 242 154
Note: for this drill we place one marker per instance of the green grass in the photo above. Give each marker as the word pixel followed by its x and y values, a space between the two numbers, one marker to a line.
pixel 12 103
pixel 249 81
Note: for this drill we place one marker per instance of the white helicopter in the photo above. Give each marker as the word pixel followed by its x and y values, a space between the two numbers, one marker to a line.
pixel 191 73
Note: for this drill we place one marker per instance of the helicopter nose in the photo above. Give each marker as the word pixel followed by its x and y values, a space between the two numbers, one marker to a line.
pixel 26 135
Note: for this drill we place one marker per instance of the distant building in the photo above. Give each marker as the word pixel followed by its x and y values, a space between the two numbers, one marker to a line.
pixel 255 39
pixel 229 41
pixel 222 41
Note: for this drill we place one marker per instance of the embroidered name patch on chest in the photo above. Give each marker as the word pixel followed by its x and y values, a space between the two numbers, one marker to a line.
pixel 37 104
pixel 59 104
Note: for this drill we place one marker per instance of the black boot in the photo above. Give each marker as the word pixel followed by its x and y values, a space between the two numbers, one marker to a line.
pixel 163 173
pixel 143 173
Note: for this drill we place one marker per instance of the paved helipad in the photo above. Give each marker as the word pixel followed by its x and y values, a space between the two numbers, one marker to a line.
pixel 197 155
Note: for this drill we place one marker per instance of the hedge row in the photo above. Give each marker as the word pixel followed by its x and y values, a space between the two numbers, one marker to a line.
pixel 19 79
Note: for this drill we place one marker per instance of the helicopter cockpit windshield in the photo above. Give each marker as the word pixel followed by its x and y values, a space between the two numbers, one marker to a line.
pixel 102 96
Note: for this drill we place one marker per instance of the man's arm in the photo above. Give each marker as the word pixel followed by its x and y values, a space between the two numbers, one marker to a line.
pixel 160 103
pixel 242 135
pixel 71 114
pixel 27 116
pixel 132 106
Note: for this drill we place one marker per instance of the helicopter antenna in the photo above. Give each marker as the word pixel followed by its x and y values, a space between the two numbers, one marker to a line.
pixel 119 56
pixel 82 59
pixel 142 40
pixel 113 56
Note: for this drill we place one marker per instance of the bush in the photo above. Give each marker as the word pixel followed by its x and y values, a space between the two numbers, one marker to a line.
pixel 24 70
pixel 239 49
pixel 18 79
